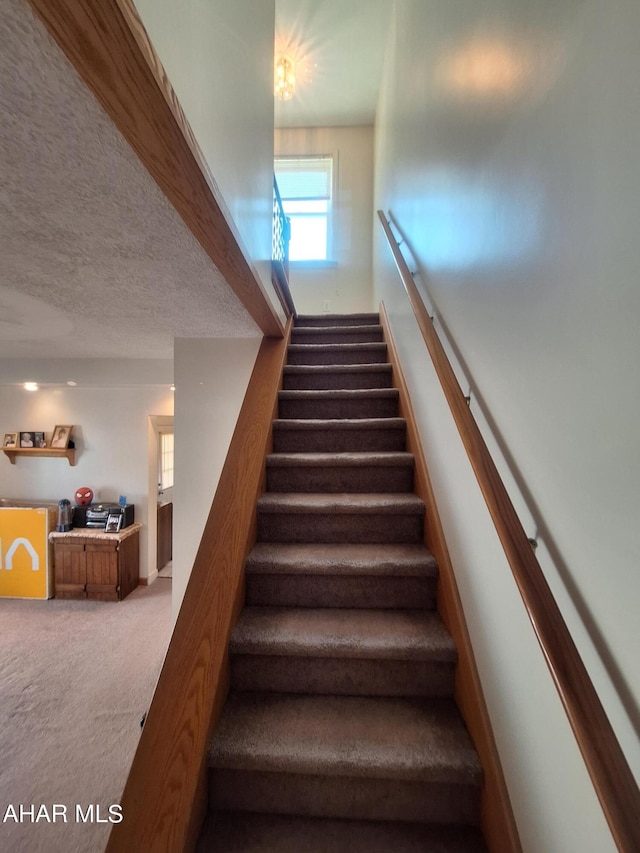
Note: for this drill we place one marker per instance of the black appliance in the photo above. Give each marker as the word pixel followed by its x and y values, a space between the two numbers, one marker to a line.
pixel 95 515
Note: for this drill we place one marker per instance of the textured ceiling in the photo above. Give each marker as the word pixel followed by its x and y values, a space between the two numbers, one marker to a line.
pixel 93 258
pixel 338 47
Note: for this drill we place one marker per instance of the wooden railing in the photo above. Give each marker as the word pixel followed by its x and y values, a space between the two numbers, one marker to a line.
pixel 610 773
pixel 281 234
pixel 164 800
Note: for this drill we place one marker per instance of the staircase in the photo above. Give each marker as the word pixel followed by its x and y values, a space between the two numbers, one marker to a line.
pixel 340 732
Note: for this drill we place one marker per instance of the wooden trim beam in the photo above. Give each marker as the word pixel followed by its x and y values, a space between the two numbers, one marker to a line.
pixel 606 763
pixel 108 45
pixel 498 823
pixel 165 795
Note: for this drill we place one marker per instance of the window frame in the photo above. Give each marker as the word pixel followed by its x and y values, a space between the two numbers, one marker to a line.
pixel 329 216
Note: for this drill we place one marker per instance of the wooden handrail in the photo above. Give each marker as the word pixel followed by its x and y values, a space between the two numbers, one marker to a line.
pixel 164 799
pixel 280 282
pixel 281 235
pixel 610 773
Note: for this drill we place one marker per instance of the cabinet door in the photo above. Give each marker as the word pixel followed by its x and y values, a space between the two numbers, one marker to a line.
pixel 102 571
pixel 129 562
pixel 70 570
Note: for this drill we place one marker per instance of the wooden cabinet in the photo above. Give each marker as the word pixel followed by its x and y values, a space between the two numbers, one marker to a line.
pixel 98 565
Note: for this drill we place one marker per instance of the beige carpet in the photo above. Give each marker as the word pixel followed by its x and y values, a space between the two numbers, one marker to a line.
pixel 75 679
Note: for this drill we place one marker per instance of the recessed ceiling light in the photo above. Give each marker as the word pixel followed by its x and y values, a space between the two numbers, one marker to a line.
pixel 71 383
pixel 172 387
pixel 30 386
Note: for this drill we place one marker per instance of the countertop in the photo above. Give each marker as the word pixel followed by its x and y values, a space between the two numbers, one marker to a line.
pixel 94 533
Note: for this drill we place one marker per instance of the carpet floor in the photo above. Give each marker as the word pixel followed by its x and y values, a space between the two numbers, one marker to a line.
pixel 75 679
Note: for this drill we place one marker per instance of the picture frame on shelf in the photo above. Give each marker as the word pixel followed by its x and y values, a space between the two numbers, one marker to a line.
pixel 40 440
pixel 27 439
pixel 10 441
pixel 114 522
pixel 60 437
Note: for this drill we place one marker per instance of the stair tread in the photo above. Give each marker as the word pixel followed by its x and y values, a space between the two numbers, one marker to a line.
pixel 341 633
pixel 353 460
pixel 339 394
pixel 357 329
pixel 341 559
pixel 339 423
pixel 248 832
pixel 391 738
pixel 353 503
pixel 358 346
pixel 301 319
pixel 383 367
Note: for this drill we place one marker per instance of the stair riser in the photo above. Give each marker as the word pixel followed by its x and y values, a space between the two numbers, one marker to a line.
pixel 341 676
pixel 340 479
pixel 338 380
pixel 364 335
pixel 377 355
pixel 371 407
pixel 375 527
pixel 243 832
pixel 313 321
pixel 380 593
pixel 338 440
pixel 343 797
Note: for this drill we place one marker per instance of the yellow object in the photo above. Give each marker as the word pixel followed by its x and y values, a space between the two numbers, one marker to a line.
pixel 25 566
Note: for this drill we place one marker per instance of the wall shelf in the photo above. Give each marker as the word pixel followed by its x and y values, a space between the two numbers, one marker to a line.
pixel 68 453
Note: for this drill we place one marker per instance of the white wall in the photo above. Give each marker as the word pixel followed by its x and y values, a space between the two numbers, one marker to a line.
pixel 211 380
pixel 219 58
pixel 347 284
pixel 505 150
pixel 110 433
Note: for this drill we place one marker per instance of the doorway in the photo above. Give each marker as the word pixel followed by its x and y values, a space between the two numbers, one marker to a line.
pixel 160 515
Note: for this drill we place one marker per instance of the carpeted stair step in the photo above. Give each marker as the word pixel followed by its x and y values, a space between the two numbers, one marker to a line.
pixel 248 832
pixel 340 732
pixel 342 652
pixel 369 403
pixel 340 472
pixel 345 757
pixel 353 576
pixel 337 320
pixel 321 377
pixel 336 334
pixel 358 518
pixel 359 353
pixel 342 435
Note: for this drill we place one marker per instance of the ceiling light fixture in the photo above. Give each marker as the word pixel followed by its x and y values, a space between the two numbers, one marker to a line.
pixel 285 78
pixel 30 386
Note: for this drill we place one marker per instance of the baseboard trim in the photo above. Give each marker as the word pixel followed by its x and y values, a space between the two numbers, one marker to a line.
pixel 149 580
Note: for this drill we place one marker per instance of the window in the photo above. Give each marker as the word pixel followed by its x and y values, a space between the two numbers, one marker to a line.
pixel 166 461
pixel 305 185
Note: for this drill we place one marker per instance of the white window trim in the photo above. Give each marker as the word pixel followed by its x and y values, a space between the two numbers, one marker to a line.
pixel 330 260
